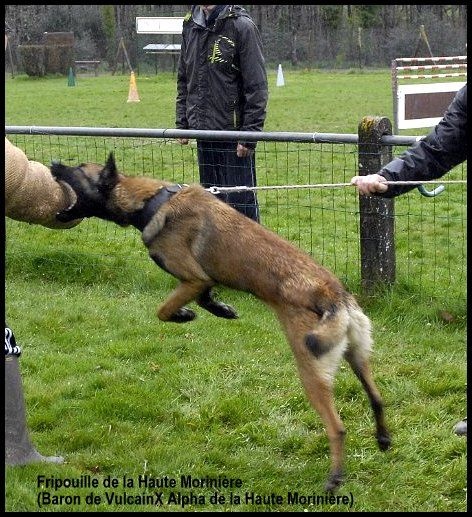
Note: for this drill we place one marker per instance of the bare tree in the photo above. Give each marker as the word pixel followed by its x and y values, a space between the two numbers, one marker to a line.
pixel 308 35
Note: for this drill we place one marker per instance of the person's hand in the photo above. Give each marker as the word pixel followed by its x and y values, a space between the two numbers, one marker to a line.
pixel 370 184
pixel 243 151
pixel 183 141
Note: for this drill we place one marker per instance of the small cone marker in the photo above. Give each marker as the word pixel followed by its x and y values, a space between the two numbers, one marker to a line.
pixel 71 78
pixel 133 90
pixel 280 77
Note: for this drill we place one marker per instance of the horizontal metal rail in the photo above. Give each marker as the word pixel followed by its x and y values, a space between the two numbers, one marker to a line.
pixel 248 136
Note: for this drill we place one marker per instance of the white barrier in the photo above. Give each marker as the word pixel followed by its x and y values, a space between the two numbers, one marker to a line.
pixel 423 105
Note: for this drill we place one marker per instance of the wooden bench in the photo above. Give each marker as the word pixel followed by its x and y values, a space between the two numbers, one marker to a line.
pixel 162 48
pixel 88 65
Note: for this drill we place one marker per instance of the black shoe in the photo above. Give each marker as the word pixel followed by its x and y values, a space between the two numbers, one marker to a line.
pixel 461 428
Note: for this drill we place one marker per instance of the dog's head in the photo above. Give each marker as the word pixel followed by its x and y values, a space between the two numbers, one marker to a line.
pixel 92 184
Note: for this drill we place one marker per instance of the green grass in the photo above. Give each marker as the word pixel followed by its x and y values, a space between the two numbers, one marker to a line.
pixel 118 393
pixel 304 104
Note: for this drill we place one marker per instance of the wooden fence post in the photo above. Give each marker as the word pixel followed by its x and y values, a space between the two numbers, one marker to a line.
pixel 377 237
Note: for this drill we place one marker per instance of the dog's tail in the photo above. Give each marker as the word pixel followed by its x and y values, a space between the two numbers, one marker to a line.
pixel 330 330
pixel 359 332
pixel 343 326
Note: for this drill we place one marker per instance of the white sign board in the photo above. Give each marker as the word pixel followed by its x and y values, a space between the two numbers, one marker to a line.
pixel 407 118
pixel 159 24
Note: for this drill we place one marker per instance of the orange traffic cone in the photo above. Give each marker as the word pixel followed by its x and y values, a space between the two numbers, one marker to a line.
pixel 133 95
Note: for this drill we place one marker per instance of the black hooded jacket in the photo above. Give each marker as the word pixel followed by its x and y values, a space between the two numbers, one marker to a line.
pixel 222 80
pixel 441 150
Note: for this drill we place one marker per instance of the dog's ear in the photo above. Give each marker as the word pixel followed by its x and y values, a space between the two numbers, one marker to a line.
pixel 111 162
pixel 109 174
pixel 57 168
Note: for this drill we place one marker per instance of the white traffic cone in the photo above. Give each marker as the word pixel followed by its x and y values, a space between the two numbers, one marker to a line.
pixel 280 77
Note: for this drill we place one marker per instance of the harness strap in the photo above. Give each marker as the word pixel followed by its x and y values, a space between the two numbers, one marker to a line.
pixel 142 217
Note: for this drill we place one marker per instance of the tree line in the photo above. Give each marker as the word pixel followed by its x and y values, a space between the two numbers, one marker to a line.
pixel 311 36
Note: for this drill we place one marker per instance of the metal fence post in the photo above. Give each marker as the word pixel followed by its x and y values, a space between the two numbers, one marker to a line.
pixel 377 237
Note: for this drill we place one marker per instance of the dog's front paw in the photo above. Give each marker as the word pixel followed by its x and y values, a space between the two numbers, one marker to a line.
pixel 220 309
pixel 224 311
pixel 182 315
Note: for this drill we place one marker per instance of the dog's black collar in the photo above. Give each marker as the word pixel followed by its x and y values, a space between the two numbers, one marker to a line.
pixel 141 218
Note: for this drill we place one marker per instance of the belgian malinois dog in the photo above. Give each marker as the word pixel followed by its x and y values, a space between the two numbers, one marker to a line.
pixel 202 242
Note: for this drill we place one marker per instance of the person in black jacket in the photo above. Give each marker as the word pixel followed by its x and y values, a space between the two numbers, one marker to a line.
pixel 222 85
pixel 430 158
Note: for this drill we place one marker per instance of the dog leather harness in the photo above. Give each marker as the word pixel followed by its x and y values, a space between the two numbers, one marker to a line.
pixel 141 218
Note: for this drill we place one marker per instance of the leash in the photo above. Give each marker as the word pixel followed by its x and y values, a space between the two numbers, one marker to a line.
pixel 220 190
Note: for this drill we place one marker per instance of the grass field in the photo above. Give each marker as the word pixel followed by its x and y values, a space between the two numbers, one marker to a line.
pixel 130 401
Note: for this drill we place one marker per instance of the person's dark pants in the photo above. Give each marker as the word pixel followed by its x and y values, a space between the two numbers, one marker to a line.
pixel 19 449
pixel 220 166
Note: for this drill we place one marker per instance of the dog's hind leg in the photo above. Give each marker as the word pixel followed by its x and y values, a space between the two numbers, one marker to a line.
pixel 319 390
pixel 317 375
pixel 357 355
pixel 361 368
pixel 220 309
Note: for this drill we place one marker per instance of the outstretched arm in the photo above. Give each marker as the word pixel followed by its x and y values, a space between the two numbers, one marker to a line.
pixel 31 193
